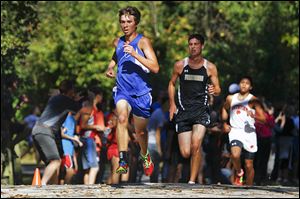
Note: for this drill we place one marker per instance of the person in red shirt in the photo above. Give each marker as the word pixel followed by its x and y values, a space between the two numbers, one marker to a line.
pixel 89 129
pixel 264 142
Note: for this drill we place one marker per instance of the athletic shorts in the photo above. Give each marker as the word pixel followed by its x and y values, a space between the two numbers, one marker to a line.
pixel 185 120
pixel 89 153
pixel 67 162
pixel 46 144
pixel 140 105
pixel 245 140
pixel 112 151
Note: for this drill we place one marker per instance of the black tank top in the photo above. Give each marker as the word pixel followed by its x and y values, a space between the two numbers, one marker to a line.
pixel 192 91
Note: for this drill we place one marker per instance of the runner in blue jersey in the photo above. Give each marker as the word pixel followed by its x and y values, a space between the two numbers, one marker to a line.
pixel 136 59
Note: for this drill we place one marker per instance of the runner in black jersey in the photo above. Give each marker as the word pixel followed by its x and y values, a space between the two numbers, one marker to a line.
pixel 198 79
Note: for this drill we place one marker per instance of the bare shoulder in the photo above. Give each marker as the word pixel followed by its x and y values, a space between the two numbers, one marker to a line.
pixel 254 97
pixel 228 102
pixel 86 109
pixel 211 68
pixel 255 101
pixel 145 41
pixel 229 97
pixel 210 65
pixel 178 66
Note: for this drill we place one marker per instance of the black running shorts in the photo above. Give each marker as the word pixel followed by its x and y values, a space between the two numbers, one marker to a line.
pixel 186 119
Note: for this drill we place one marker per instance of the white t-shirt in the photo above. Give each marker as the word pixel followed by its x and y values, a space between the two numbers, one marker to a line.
pixel 241 115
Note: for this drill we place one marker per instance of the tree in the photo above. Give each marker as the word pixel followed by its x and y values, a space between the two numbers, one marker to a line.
pixel 259 39
pixel 74 41
pixel 18 22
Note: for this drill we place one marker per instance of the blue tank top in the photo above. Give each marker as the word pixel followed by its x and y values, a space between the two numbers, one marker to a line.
pixel 67 144
pixel 132 76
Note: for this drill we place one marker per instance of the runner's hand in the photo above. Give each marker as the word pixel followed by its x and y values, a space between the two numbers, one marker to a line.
pixel 110 72
pixel 211 89
pixel 172 111
pixel 129 49
pixel 226 128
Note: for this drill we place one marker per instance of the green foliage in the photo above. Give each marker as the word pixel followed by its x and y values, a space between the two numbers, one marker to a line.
pixel 259 39
pixel 74 40
pixel 18 21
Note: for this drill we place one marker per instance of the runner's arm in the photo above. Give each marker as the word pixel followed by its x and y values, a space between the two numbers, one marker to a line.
pixel 214 88
pixel 225 114
pixel 178 66
pixel 110 69
pixel 150 60
pixel 65 136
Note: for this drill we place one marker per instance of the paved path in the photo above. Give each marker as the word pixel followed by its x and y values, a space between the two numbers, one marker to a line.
pixel 148 190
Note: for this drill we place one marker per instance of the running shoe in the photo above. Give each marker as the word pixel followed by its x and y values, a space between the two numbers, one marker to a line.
pixel 147 164
pixel 239 178
pixel 191 182
pixel 123 167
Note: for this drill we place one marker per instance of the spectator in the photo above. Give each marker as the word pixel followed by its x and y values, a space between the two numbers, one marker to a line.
pixel 214 144
pixel 278 128
pixel 154 127
pixel 264 141
pixel 88 128
pixel 46 132
pixel 286 147
pixel 30 121
pixel 68 166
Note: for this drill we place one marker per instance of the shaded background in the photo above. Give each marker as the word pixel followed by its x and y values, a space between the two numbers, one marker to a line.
pixel 45 42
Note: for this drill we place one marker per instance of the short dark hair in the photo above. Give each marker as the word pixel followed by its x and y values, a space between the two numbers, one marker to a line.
pixel 247 77
pixel 96 90
pixel 65 86
pixel 129 10
pixel 198 37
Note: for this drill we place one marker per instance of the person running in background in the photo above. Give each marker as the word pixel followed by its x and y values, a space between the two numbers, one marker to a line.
pixel 244 109
pixel 198 78
pixel 136 59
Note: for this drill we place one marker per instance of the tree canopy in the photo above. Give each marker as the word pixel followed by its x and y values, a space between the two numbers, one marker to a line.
pixel 45 42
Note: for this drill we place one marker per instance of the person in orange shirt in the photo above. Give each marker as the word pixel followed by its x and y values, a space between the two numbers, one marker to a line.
pixel 99 138
pixel 89 129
